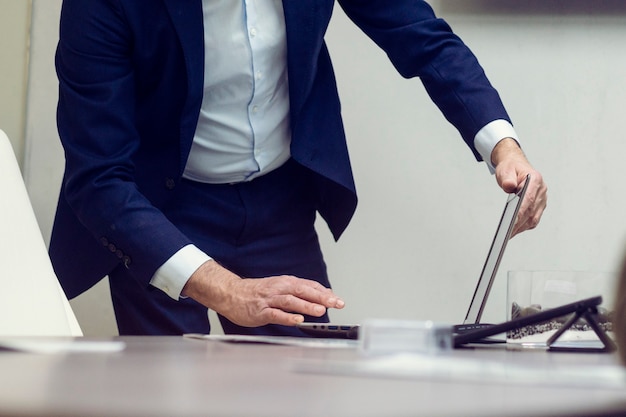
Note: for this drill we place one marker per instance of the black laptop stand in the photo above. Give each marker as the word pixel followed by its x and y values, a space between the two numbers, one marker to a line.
pixel 585 309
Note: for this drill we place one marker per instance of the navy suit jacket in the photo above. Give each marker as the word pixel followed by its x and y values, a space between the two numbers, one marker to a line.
pixel 131 85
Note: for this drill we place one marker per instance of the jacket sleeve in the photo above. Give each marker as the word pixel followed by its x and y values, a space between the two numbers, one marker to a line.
pixel 97 120
pixel 421 45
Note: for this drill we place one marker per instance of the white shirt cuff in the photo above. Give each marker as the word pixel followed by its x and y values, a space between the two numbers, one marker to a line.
pixel 488 137
pixel 172 276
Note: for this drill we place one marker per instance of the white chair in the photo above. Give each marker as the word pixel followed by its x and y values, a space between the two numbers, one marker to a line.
pixel 32 302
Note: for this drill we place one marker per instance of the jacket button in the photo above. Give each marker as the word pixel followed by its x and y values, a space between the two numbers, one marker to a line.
pixel 112 247
pixel 104 241
pixel 170 183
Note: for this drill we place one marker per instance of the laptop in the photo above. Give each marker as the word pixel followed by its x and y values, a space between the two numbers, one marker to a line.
pixel 483 287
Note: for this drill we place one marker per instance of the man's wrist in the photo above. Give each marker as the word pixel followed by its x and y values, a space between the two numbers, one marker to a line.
pixel 212 286
pixel 504 149
pixel 172 276
pixel 489 136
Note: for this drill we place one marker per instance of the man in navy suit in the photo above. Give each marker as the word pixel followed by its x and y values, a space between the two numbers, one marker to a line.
pixel 202 137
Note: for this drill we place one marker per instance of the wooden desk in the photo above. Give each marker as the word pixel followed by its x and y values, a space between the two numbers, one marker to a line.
pixel 172 376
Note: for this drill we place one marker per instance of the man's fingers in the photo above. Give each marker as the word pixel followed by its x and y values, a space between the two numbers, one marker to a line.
pixel 523 224
pixel 508 179
pixel 294 304
pixel 508 182
pixel 278 316
pixel 528 221
pixel 533 206
pixel 283 300
pixel 313 292
pixel 258 301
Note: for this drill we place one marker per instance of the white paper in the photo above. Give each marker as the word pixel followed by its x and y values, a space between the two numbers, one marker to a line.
pixel 279 340
pixel 51 345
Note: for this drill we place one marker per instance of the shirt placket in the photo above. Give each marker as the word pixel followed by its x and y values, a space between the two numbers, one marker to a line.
pixel 254 107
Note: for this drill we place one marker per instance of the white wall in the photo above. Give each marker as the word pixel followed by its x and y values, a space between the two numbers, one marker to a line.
pixel 14 28
pixel 560 67
pixel 415 252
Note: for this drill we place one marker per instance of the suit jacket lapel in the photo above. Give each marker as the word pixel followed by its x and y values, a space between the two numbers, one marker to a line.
pixel 306 22
pixel 187 18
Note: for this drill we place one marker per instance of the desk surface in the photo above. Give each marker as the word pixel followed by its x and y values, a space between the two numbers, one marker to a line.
pixel 175 376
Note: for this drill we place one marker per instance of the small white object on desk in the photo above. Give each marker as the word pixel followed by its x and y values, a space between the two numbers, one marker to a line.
pixel 378 336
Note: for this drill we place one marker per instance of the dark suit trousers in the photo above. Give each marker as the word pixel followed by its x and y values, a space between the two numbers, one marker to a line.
pixel 255 229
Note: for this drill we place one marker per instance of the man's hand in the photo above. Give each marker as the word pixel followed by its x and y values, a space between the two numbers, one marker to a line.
pixel 511 170
pixel 256 302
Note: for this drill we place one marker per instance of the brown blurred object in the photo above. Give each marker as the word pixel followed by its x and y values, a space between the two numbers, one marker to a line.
pixel 619 321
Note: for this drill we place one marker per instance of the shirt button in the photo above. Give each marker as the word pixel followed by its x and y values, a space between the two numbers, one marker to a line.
pixel 253 32
pixel 255 109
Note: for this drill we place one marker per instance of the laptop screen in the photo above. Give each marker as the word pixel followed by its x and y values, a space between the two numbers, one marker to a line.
pixel 503 233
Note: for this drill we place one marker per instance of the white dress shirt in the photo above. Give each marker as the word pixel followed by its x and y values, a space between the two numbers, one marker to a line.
pixel 243 130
